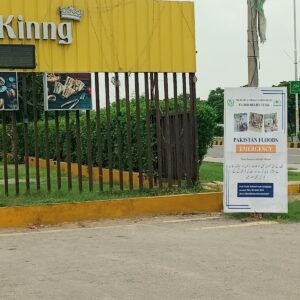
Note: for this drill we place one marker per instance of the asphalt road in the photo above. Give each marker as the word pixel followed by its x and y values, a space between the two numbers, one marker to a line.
pixel 162 258
pixel 218 153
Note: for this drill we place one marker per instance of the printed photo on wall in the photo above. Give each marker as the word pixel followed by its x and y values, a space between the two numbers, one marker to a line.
pixel 256 122
pixel 240 122
pixel 68 91
pixel 9 91
pixel 271 122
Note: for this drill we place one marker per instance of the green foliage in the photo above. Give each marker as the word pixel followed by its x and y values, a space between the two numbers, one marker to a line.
pixel 219 132
pixel 39 89
pixel 294 176
pixel 206 121
pixel 216 101
pixel 291 108
pixel 210 171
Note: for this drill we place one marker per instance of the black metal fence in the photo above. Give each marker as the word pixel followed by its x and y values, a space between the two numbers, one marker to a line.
pixel 145 139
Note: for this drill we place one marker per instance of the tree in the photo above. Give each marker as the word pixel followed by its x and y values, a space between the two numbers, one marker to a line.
pixel 291 107
pixel 216 101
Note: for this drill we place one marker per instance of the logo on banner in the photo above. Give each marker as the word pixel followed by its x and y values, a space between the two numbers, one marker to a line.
pixel 277 102
pixel 14 27
pixel 230 102
pixel 70 13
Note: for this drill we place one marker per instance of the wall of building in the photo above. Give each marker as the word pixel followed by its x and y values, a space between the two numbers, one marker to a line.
pixel 112 36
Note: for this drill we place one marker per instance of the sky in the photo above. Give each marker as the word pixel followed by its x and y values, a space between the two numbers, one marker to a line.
pixel 221 29
pixel 221 37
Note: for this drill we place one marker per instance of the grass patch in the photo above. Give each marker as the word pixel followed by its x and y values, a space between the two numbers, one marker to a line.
pixel 210 171
pixel 294 176
pixel 56 196
pixel 292 216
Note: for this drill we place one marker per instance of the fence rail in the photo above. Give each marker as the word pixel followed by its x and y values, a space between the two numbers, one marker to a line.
pixel 149 131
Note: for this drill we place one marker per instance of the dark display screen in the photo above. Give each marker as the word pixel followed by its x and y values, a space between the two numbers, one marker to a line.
pixel 17 57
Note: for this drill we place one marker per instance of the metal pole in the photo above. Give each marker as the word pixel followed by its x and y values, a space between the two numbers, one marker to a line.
pixel 253 48
pixel 296 68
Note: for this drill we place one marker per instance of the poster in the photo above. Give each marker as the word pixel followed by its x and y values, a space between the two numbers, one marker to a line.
pixel 255 158
pixel 68 91
pixel 9 91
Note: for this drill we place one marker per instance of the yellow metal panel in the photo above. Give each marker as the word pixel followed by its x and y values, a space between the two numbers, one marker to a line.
pixel 112 36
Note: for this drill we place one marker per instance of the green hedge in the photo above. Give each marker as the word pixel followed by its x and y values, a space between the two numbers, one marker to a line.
pixel 206 118
pixel 219 132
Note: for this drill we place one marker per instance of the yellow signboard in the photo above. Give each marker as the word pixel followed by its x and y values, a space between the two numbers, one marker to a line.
pixel 103 35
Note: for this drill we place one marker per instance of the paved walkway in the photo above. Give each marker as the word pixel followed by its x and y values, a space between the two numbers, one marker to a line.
pixel 192 257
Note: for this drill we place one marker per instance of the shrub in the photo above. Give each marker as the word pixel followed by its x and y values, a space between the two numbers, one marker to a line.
pixel 219 132
pixel 207 125
pixel 206 120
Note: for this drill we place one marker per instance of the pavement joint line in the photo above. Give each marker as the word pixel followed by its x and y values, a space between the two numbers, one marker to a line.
pixel 192 220
pixel 45 231
pixel 260 223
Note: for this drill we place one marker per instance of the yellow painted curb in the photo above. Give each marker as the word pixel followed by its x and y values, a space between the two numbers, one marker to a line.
pixel 293 145
pixel 12 217
pixel 218 143
pixel 294 189
pixel 95 170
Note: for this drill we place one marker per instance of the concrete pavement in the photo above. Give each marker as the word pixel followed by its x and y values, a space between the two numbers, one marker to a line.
pixel 191 257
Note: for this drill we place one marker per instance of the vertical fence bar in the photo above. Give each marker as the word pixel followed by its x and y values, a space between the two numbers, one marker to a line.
pixel 4 140
pixel 138 129
pixel 119 131
pixel 129 134
pixel 152 87
pixel 99 140
pixel 193 131
pixel 47 151
pixel 186 130
pixel 192 134
pixel 25 122
pixel 196 131
pixel 158 131
pixel 194 124
pixel 167 124
pixel 89 150
pixel 79 158
pixel 68 141
pixel 58 156
pixel 15 151
pixel 177 135
pixel 36 133
pixel 108 127
pixel 149 135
